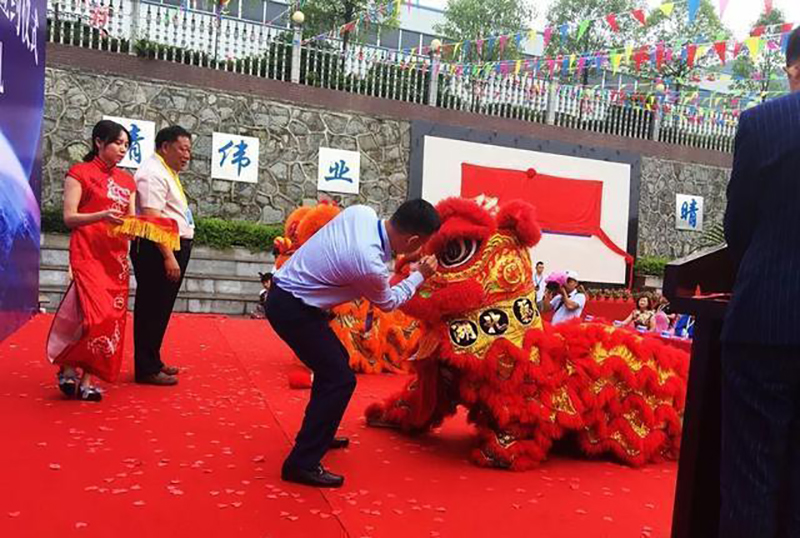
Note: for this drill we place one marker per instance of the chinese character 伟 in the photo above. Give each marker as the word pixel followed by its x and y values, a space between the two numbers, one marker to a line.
pixel 689 212
pixel 339 170
pixel 240 157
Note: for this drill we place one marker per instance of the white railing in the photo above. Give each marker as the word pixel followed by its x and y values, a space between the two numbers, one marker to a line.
pixel 202 39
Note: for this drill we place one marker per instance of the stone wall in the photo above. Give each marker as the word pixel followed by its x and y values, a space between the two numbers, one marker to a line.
pixel 661 181
pixel 290 139
pixel 78 94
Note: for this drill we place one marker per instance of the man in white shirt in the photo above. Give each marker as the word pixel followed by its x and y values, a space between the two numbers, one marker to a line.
pixel 344 260
pixel 569 302
pixel 538 282
pixel 160 270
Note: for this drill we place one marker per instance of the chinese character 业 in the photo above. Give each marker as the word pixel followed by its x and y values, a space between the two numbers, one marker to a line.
pixel 239 156
pixel 135 149
pixel 338 170
pixel 689 213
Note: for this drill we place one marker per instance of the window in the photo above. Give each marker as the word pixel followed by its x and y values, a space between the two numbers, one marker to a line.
pixel 410 40
pixel 253 10
pixel 370 36
pixel 279 14
pixel 390 38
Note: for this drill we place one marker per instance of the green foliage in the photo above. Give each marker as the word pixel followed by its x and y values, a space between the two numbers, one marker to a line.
pixel 322 16
pixel 598 34
pixel 78 33
pixel 675 31
pixel 223 234
pixel 650 265
pixel 212 232
pixel 765 74
pixel 472 19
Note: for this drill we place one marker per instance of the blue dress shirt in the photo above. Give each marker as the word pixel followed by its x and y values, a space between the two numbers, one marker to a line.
pixel 346 259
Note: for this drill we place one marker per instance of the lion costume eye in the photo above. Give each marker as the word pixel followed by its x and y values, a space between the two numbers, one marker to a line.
pixel 458 252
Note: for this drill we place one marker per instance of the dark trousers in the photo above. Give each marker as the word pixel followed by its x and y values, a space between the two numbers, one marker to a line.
pixel 155 298
pixel 760 460
pixel 306 331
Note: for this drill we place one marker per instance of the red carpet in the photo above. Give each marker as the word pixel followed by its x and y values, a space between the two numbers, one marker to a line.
pixel 203 459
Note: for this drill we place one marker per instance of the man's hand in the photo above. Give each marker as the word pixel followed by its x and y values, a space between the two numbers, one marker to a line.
pixel 428 266
pixel 172 268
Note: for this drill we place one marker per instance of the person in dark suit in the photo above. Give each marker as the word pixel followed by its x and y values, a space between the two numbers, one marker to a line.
pixel 760 460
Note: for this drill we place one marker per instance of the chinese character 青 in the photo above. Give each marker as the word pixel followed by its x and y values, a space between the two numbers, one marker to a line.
pixel 689 212
pixel 339 170
pixel 240 157
pixel 135 149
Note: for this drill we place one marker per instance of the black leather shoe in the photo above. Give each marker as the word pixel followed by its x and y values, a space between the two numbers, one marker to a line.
pixel 340 442
pixel 318 477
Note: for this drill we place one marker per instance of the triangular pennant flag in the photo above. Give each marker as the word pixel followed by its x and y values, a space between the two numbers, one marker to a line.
pixel 479 45
pixel 628 52
pixel 616 58
pixel 581 64
pixel 691 51
pixel 667 8
pixel 490 45
pixel 548 34
pixel 502 43
pixel 455 50
pixel 517 67
pixel 737 48
pixel 582 28
pixel 612 22
pixel 723 5
pixel 551 65
pixel 758 31
pixel 564 32
pixel 518 39
pixel 565 65
pixel 722 48
pixel 572 59
pixel 767 6
pixel 754 46
pixel 660 54
pixel 638 14
pixel 785 43
pixel 694 5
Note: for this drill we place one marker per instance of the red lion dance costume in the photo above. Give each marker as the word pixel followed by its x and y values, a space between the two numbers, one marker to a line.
pixel 526 384
pixel 379 346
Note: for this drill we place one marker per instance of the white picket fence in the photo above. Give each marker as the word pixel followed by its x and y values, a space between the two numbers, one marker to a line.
pixel 205 40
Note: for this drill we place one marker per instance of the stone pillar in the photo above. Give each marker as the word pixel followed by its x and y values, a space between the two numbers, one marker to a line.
pixel 552 95
pixel 433 87
pixel 134 26
pixel 297 39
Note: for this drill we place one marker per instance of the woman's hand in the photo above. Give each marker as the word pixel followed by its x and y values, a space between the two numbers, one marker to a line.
pixel 111 216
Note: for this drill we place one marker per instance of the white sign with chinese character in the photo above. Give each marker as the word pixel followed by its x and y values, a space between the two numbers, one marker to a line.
pixel 234 157
pixel 339 170
pixel 689 212
pixel 142 143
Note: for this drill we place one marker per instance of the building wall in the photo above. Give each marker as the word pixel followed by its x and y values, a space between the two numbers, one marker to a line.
pixel 293 121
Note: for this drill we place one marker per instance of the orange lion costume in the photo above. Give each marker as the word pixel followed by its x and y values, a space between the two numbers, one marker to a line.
pixel 524 383
pixel 379 345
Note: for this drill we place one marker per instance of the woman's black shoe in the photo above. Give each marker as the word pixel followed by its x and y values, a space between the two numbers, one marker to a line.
pixel 318 477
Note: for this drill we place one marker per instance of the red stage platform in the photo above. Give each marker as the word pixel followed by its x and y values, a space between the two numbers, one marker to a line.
pixel 203 458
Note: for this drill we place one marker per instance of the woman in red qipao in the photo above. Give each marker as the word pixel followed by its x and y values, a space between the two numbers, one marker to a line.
pixel 87 335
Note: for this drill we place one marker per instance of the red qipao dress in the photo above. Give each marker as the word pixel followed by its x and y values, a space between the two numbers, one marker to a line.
pixel 89 328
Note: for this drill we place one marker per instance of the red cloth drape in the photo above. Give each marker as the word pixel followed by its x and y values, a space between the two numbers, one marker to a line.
pixel 564 206
pixel 88 330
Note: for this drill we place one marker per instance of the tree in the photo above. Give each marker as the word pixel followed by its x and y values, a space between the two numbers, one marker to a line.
pixel 470 20
pixel 587 19
pixel 762 76
pixel 322 16
pixel 675 31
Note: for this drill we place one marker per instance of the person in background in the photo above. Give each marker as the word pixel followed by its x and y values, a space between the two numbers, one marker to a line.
pixel 759 465
pixel 568 302
pixel 160 270
pixel 87 336
pixel 538 281
pixel 643 317
pixel 266 282
pixel 346 259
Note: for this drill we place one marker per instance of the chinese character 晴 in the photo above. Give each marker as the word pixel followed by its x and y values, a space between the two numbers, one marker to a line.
pixel 689 213
pixel 135 149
